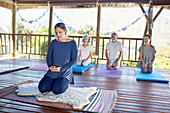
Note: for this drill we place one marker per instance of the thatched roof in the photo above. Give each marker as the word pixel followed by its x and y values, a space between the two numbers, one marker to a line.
pixel 27 4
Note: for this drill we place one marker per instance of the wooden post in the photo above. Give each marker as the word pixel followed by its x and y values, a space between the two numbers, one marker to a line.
pixel 50 25
pixel 98 31
pixel 150 26
pixel 13 26
pixel 146 28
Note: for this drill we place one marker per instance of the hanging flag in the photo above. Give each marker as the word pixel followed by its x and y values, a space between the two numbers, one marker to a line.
pixel 44 14
pixel 40 17
pixel 124 28
pixel 148 11
pixel 69 27
pixel 51 9
pixel 137 19
pixel 61 20
pixel 101 33
pixel 36 20
pixel 133 22
pixel 128 25
pixel 31 21
pixel 142 15
pixel 106 33
pixel 22 19
pixel 118 30
pixel 85 32
pixel 57 17
pixel 75 30
pixel 80 32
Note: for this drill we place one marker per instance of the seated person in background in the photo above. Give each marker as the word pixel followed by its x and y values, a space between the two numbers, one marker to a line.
pixel 147 56
pixel 85 52
pixel 113 52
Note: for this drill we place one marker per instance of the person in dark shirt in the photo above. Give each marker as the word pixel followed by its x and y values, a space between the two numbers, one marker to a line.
pixel 62 55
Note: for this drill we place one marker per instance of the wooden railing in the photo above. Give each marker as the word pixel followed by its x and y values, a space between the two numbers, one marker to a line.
pixel 35 44
pixel 5 43
pixel 130 48
pixel 32 44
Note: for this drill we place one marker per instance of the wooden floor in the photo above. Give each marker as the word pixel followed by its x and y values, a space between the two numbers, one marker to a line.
pixel 133 96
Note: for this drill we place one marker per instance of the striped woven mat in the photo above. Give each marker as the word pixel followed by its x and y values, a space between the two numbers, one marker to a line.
pixel 103 101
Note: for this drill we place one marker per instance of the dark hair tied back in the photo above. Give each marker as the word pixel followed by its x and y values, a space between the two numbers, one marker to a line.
pixel 60 25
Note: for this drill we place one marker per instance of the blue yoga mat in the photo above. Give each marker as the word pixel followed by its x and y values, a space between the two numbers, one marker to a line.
pixel 154 77
pixel 81 69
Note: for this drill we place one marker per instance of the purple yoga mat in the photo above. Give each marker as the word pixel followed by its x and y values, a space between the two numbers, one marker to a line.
pixel 104 72
pixel 42 67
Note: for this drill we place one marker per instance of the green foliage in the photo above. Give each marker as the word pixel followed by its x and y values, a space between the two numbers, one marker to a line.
pixel 162 63
pixel 162 60
pixel 42 47
pixel 129 64
pixel 87 30
pixel 22 30
pixel 44 30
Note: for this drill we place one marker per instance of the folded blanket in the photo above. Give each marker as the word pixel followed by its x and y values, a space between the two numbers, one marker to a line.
pixel 77 97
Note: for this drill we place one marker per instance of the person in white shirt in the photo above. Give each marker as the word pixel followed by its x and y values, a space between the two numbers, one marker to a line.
pixel 113 52
pixel 85 52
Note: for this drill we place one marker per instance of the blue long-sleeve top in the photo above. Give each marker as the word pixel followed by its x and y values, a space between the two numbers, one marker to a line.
pixel 64 55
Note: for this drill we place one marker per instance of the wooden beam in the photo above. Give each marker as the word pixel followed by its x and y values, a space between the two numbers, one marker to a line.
pixel 146 29
pixel 81 2
pixel 98 30
pixel 50 25
pixel 55 3
pixel 161 2
pixel 140 5
pixel 13 26
pixel 160 10
pixel 5 5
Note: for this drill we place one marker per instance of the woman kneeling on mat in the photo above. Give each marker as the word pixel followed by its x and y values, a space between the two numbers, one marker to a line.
pixel 85 52
pixel 147 56
pixel 62 55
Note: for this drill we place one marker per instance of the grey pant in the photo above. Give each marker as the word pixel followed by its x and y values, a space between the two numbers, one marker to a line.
pixel 147 69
